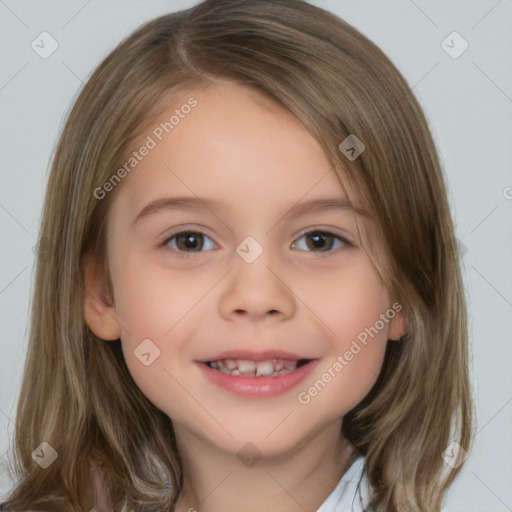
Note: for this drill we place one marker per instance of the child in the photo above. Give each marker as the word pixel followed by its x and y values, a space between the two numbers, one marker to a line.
pixel 250 297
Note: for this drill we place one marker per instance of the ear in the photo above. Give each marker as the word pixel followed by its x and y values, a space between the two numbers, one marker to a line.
pixel 99 311
pixel 398 324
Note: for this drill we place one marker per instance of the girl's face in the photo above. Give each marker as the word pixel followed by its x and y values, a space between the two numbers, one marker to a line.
pixel 244 277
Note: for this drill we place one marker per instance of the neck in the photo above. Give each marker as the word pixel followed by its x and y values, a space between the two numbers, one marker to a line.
pixel 298 480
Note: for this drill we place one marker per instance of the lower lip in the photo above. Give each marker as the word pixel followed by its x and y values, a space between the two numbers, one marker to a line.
pixel 258 386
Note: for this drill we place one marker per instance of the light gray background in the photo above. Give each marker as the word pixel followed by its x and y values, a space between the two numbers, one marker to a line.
pixel 467 100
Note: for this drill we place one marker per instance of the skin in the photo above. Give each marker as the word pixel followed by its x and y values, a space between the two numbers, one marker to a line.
pixel 257 160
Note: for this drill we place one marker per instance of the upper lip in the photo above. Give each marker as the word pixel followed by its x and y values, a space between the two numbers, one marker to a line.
pixel 246 355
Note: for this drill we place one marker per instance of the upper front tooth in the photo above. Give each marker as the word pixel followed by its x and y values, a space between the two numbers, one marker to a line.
pixel 245 366
pixel 265 368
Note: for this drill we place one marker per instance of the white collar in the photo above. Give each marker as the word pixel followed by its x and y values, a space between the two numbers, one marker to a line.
pixel 351 493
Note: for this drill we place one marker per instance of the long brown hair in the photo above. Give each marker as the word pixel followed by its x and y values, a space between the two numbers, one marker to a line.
pixel 77 393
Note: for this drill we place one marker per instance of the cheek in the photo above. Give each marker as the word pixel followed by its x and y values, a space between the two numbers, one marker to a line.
pixel 347 302
pixel 152 299
pixel 350 307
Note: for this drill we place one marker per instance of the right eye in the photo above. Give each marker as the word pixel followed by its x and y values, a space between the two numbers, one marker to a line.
pixel 322 241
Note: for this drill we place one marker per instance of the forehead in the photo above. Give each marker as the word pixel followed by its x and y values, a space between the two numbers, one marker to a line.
pixel 232 136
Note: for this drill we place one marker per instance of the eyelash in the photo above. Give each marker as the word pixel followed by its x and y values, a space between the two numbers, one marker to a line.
pixel 191 254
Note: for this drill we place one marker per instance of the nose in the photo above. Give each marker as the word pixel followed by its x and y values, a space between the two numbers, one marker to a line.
pixel 257 290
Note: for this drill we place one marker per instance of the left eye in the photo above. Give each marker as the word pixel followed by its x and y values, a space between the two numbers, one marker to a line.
pixel 321 241
pixel 187 241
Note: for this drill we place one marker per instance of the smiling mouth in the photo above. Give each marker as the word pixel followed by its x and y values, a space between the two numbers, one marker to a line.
pixel 248 368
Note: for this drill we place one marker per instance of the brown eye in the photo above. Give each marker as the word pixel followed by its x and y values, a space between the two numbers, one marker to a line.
pixel 320 241
pixel 187 241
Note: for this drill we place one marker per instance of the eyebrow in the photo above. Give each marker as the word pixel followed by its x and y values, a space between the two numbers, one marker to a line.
pixel 195 203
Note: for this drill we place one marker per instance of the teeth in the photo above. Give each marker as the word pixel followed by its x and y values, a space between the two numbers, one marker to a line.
pixel 290 365
pixel 246 367
pixel 264 368
pixel 230 363
pixel 271 367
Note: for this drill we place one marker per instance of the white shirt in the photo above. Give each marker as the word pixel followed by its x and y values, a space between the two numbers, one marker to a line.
pixel 352 492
